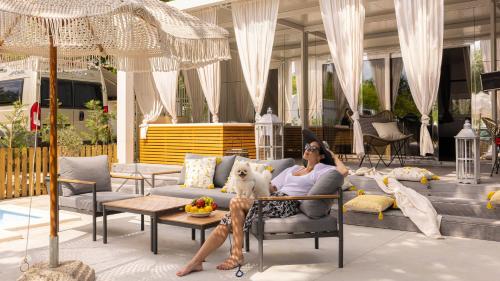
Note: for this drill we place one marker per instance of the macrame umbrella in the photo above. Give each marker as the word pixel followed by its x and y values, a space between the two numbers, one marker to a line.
pixel 132 35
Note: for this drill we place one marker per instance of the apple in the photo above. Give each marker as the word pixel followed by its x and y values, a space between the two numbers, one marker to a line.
pixel 214 206
pixel 200 203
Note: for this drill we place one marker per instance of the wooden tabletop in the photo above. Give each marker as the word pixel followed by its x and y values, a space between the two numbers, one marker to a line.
pixel 150 204
pixel 184 218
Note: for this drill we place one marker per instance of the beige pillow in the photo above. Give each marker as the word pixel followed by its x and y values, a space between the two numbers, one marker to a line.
pixel 369 204
pixel 200 172
pixel 388 131
pixel 412 174
pixel 493 199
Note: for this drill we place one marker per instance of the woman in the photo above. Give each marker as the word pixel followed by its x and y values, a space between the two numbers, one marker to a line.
pixel 294 181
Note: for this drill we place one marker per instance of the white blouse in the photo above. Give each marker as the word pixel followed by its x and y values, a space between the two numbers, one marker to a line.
pixel 292 185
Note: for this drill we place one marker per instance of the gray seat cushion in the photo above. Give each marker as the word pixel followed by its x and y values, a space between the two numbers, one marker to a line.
pixel 84 201
pixel 222 170
pixel 297 223
pixel 278 165
pixel 328 184
pixel 222 199
pixel 94 169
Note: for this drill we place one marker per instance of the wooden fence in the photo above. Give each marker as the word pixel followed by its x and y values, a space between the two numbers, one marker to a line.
pixel 22 170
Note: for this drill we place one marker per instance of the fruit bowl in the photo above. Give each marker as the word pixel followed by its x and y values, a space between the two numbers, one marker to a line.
pixel 201 207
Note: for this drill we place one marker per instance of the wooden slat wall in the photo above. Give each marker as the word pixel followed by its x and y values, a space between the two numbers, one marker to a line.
pixel 22 171
pixel 169 144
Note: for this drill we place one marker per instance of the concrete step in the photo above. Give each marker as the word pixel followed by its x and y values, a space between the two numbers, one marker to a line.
pixel 456 226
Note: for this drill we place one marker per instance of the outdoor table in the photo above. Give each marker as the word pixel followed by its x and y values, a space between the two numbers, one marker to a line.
pixel 152 206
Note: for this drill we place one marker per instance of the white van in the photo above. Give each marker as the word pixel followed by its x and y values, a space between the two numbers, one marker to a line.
pixel 32 88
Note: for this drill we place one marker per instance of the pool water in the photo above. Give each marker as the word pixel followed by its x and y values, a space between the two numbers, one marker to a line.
pixel 9 218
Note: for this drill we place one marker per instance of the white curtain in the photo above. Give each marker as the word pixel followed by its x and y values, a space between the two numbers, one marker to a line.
pixel 420 29
pixel 195 95
pixel 378 71
pixel 254 26
pixel 291 101
pixel 210 74
pixel 147 99
pixel 166 85
pixel 315 91
pixel 343 21
pixel 396 73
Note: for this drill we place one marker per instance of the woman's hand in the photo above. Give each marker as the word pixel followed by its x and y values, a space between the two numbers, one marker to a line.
pixel 272 188
pixel 341 168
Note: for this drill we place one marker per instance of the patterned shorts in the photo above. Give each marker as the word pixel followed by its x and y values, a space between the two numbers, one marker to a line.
pixel 270 209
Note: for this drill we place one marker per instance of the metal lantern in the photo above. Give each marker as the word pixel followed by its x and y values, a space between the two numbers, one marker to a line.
pixel 269 137
pixel 467 155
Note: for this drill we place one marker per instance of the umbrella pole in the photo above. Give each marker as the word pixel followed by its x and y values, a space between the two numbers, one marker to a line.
pixel 54 216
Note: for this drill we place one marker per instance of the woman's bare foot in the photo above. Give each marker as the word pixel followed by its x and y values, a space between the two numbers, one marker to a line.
pixel 230 263
pixel 190 268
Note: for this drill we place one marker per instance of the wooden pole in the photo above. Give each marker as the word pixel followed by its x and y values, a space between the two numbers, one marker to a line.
pixel 54 219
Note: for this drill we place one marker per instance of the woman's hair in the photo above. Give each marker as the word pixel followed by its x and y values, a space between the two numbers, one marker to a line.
pixel 322 151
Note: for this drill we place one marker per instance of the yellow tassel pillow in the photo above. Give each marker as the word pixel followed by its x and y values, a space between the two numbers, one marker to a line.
pixel 413 174
pixel 369 204
pixel 493 199
pixel 200 172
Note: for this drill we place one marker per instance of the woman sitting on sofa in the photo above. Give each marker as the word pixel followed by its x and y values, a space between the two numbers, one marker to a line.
pixel 294 181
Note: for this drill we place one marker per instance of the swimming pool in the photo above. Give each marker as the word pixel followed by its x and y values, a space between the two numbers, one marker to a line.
pixel 13 218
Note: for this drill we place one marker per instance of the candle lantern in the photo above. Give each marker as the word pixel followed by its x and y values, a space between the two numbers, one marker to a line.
pixel 269 137
pixel 467 155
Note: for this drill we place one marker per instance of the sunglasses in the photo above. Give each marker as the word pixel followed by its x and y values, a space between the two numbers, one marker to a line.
pixel 311 148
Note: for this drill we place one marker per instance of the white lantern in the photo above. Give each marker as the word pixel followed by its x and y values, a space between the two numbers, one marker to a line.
pixel 467 155
pixel 269 137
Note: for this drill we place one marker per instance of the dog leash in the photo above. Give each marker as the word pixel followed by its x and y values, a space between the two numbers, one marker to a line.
pixel 239 273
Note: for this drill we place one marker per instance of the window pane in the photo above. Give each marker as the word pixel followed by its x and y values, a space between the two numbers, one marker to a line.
pixel 11 91
pixel 369 103
pixel 85 92
pixel 64 93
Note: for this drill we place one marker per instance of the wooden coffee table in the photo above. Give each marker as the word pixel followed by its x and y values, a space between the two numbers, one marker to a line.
pixel 182 219
pixel 152 206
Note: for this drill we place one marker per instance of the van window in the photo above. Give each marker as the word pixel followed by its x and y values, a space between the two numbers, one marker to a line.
pixel 11 91
pixel 85 92
pixel 64 93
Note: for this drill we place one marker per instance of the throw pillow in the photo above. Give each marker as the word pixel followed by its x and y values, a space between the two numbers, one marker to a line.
pixel 388 131
pixel 94 169
pixel 200 172
pixel 369 204
pixel 413 174
pixel 222 169
pixel 328 184
pixel 493 199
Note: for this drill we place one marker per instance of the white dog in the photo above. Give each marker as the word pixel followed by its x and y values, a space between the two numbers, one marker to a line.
pixel 248 183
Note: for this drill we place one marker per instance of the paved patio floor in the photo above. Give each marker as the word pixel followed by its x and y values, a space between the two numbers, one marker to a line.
pixel 370 254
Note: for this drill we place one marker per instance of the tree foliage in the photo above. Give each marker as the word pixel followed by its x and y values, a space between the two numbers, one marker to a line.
pixel 67 136
pixel 15 131
pixel 98 123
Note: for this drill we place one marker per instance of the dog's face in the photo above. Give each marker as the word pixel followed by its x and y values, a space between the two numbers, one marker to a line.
pixel 243 170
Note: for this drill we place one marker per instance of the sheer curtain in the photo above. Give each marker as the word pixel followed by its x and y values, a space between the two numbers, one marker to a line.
pixel 378 71
pixel 166 85
pixel 288 92
pixel 210 74
pixel 315 93
pixel 254 27
pixel 195 95
pixel 340 99
pixel 343 21
pixel 396 73
pixel 148 101
pixel 420 29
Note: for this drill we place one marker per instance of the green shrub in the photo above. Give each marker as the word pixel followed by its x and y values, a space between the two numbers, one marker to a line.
pixel 15 131
pixel 98 123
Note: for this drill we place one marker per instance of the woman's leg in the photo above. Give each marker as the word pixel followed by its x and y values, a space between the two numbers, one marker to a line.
pixel 238 208
pixel 214 241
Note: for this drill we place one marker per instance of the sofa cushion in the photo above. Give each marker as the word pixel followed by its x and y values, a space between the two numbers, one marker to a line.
pixel 94 169
pixel 84 201
pixel 278 166
pixel 222 199
pixel 328 184
pixel 297 223
pixel 222 170
pixel 200 172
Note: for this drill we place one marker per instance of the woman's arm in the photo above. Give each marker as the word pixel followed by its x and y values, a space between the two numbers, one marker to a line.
pixel 341 168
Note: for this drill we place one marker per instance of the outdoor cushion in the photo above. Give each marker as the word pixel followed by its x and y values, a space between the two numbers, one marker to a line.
pixel 278 166
pixel 200 172
pixel 94 169
pixel 327 184
pixel 388 131
pixel 222 170
pixel 493 199
pixel 413 174
pixel 369 184
pixel 296 224
pixel 222 199
pixel 84 201
pixel 369 204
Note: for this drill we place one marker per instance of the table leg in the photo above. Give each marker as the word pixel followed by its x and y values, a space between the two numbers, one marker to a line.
pixel 151 234
pixel 155 234
pixel 142 222
pixel 104 225
pixel 202 238
pixel 193 234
